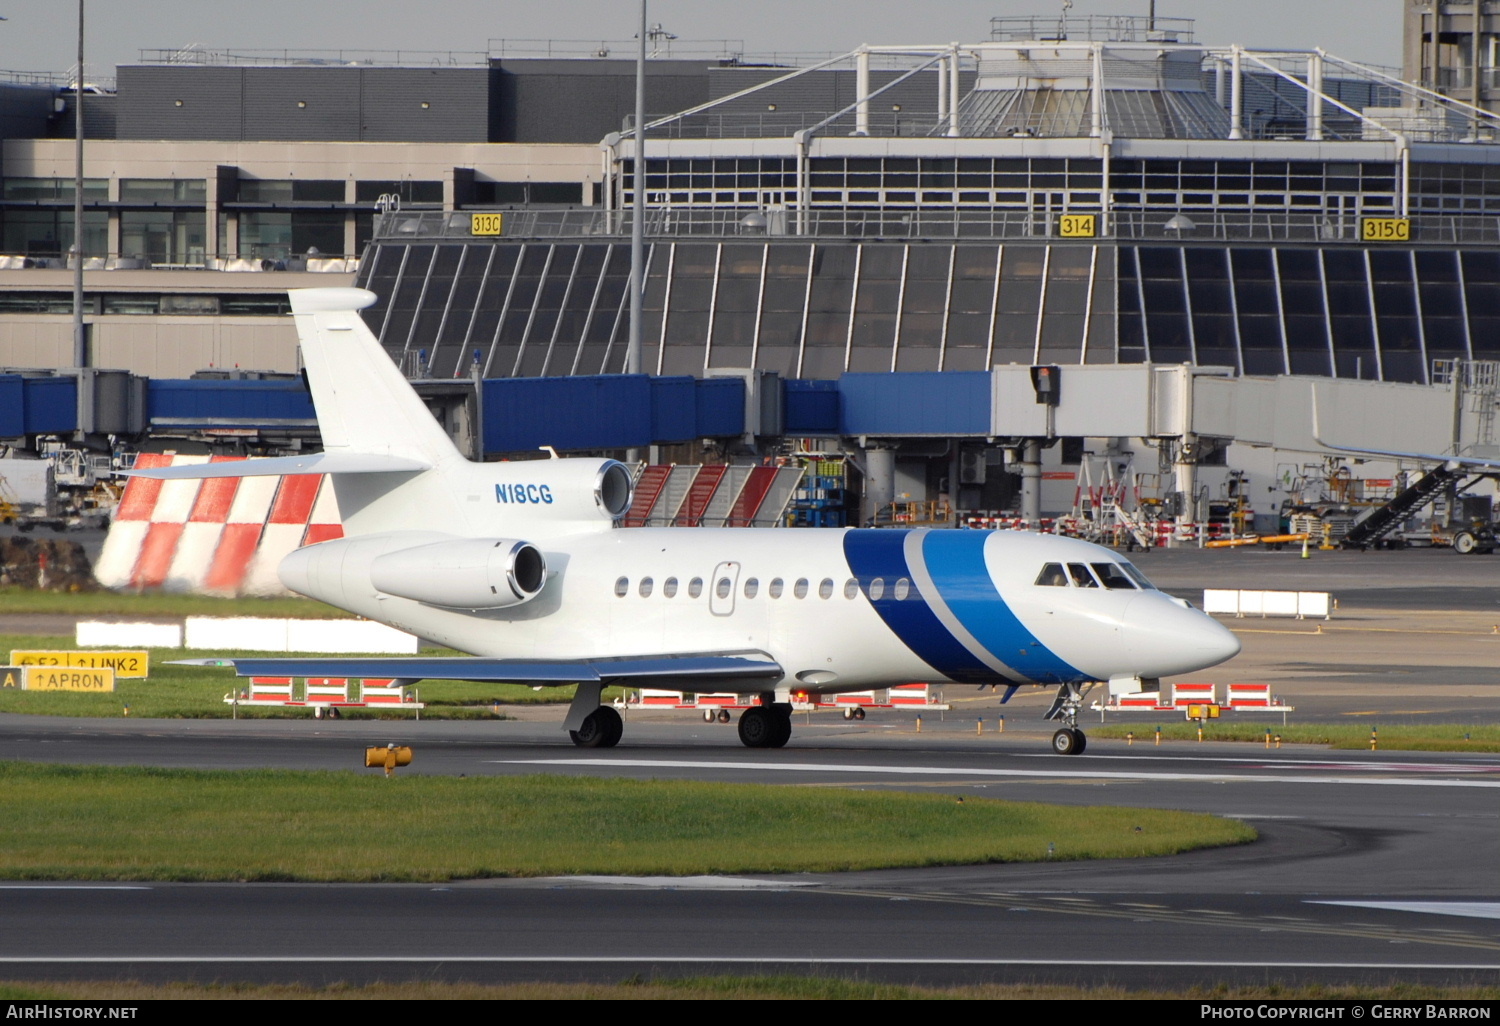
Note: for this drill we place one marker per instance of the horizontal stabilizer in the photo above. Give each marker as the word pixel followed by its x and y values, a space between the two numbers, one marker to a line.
pixel 517 671
pixel 315 463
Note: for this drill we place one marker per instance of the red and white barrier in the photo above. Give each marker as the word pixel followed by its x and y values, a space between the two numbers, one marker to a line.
pixel 320 693
pixel 219 536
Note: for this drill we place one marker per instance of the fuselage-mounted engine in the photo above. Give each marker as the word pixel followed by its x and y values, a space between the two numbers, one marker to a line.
pixel 467 573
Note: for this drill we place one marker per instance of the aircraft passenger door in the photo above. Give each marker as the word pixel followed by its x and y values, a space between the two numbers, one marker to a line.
pixel 722 587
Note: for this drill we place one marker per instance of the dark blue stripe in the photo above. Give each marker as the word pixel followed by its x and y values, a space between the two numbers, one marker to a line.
pixel 878 554
pixel 955 561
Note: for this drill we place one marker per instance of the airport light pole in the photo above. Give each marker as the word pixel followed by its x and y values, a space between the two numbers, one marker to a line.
pixel 80 348
pixel 637 220
pixel 638 213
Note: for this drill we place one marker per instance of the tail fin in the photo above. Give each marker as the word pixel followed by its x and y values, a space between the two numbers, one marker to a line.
pixel 364 403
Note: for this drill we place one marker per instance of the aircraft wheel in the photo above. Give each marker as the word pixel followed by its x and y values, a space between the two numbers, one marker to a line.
pixel 1068 741
pixel 758 728
pixel 781 716
pixel 602 728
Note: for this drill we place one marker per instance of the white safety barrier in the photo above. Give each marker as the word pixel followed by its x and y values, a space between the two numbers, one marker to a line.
pixel 257 634
pixel 1300 604
pixel 93 634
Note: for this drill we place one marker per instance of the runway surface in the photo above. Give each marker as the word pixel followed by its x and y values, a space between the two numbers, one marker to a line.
pixel 1372 867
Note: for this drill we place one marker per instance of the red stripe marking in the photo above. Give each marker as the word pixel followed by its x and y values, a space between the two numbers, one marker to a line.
pixel 215 497
pixel 156 555
pixel 141 492
pixel 270 680
pixel 294 499
pixel 322 532
pixel 232 557
pixel 748 502
pixel 647 490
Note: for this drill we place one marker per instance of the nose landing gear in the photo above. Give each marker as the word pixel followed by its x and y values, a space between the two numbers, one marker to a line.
pixel 1069 740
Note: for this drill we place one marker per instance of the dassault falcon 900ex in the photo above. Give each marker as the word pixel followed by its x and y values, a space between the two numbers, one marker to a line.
pixel 525 566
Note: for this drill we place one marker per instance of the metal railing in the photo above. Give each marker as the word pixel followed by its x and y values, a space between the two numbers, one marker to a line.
pixel 317 58
pixel 981 223
pixel 322 264
pixel 1101 28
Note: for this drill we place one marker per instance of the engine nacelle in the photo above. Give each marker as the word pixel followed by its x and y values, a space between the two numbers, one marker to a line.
pixel 468 573
pixel 557 491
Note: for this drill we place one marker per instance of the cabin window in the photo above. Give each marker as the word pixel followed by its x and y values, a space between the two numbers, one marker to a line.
pixel 877 589
pixel 645 588
pixel 902 590
pixel 695 587
pixel 800 588
pixel 723 587
pixel 669 587
pixel 851 588
pixel 752 586
pixel 1113 576
pixel 1052 576
pixel 776 587
pixel 825 590
pixel 622 587
pixel 1081 576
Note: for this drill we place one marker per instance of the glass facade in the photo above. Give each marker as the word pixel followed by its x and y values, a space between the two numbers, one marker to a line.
pixel 819 308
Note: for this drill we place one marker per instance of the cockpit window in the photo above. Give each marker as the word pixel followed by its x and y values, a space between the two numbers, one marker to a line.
pixel 1138 577
pixel 1113 575
pixel 1052 576
pixel 1081 576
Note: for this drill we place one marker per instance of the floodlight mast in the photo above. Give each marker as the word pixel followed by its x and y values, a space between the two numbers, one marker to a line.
pixel 80 347
pixel 638 215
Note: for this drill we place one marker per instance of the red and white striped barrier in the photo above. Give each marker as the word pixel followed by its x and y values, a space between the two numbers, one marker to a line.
pixel 902 696
pixel 218 536
pixel 1254 696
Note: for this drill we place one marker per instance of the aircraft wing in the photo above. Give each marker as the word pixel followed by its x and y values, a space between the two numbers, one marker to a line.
pixel 720 668
pixel 275 466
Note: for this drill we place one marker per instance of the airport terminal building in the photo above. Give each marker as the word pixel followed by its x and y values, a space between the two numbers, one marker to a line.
pixel 1092 191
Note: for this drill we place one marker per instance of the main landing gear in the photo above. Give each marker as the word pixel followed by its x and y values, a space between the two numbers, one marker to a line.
pixel 766 726
pixel 1069 740
pixel 590 724
pixel 601 728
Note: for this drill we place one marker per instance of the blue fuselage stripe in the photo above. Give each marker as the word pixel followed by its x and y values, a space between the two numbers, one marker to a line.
pixel 955 561
pixel 878 555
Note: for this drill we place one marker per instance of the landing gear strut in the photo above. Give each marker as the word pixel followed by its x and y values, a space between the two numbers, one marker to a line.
pixel 1069 740
pixel 766 726
pixel 601 728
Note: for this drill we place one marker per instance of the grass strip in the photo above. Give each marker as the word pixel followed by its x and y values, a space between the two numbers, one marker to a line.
pixel 739 988
pixel 125 605
pixel 1413 737
pixel 102 823
pixel 197 692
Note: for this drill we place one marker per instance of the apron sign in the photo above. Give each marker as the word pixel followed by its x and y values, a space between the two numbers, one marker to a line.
pixel 65 678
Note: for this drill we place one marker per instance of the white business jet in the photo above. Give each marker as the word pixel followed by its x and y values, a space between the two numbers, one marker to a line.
pixel 525 566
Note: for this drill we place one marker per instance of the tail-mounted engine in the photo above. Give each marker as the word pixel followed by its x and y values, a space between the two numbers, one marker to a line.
pixel 469 573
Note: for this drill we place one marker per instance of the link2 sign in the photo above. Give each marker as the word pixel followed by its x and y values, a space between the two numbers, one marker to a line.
pixel 1077 226
pixel 1385 229
pixel 486 224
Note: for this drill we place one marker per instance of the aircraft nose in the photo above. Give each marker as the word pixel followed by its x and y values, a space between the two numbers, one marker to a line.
pixel 1171 639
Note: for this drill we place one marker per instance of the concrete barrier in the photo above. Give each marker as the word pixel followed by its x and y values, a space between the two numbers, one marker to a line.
pixel 1299 604
pixel 257 634
pixel 93 634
